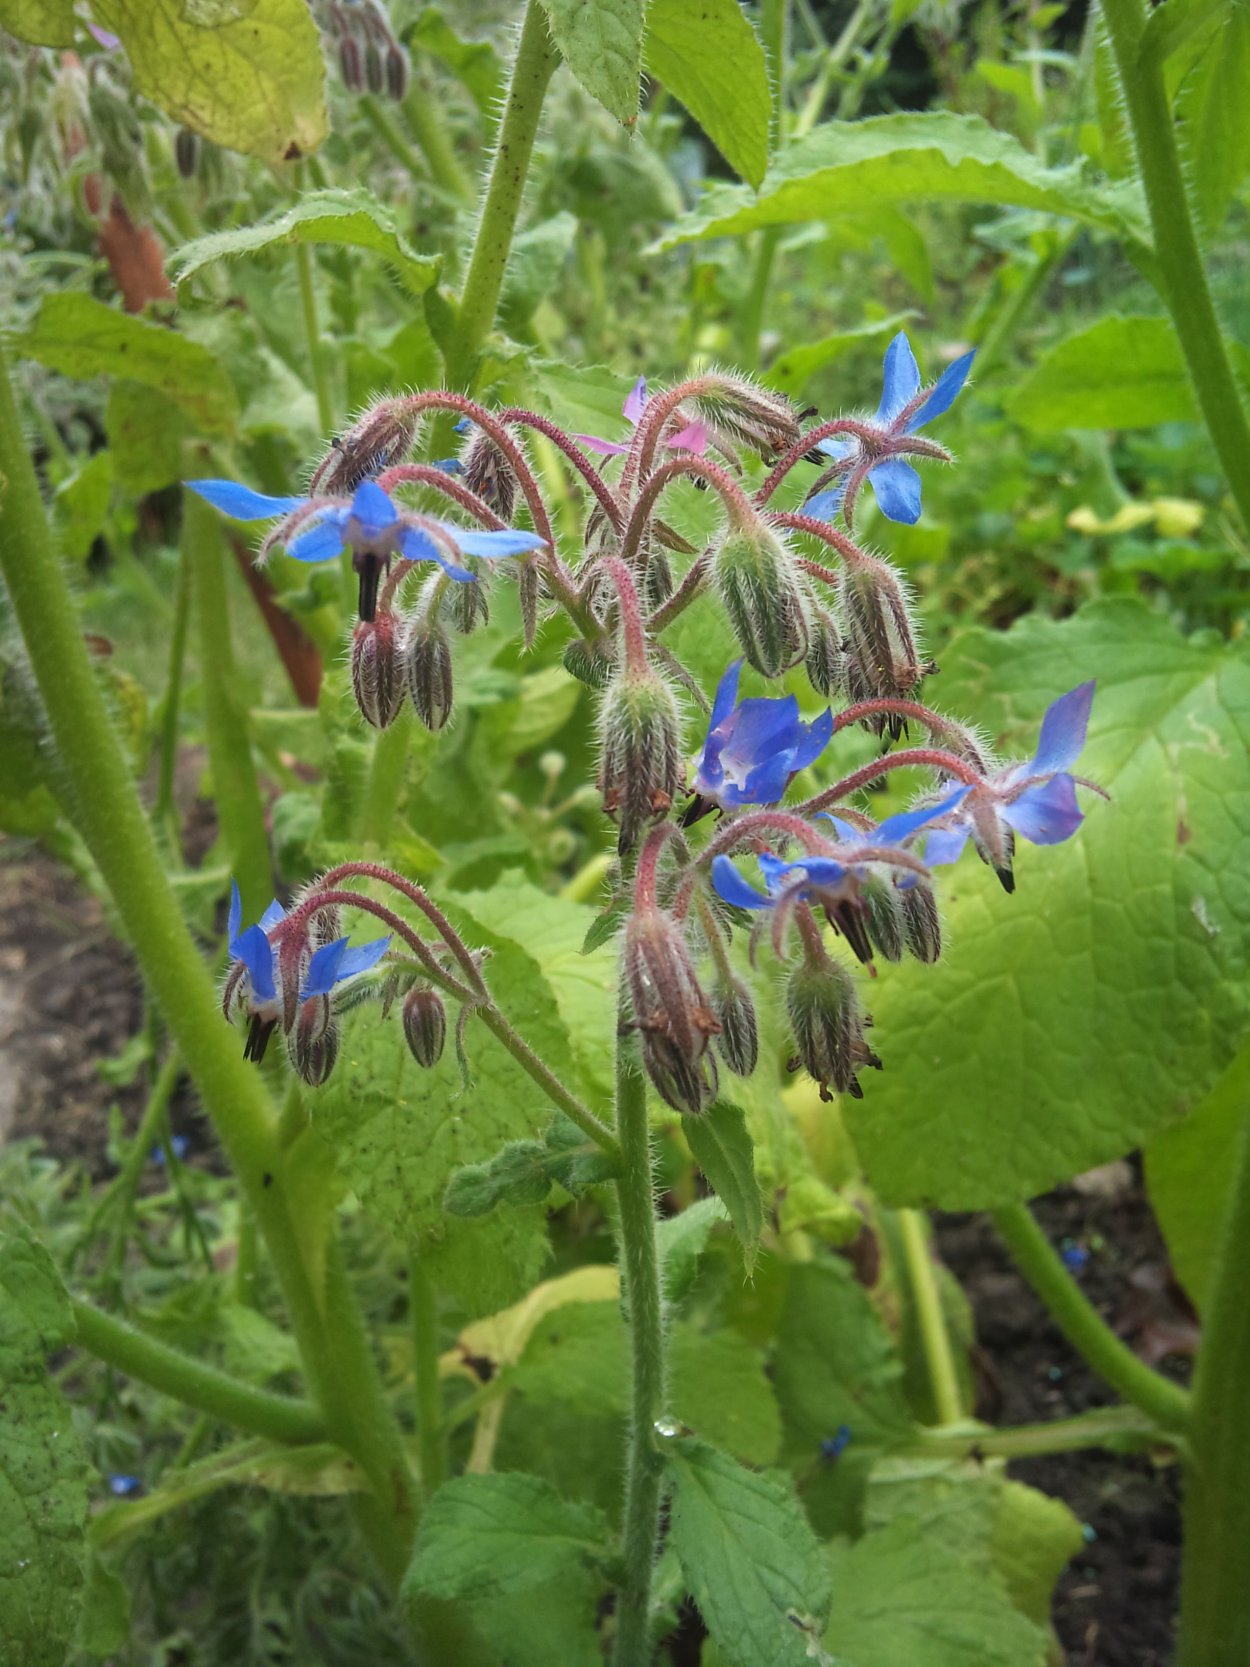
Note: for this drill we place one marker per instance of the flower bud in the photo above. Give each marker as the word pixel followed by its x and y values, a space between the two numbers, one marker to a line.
pixel 313 1043
pixel 488 472
pixel 658 583
pixel 826 663
pixel 922 925
pixel 739 1039
pixel 382 437
pixel 375 69
pixel 396 72
pixel 883 905
pixel 828 1027
pixel 764 597
pixel 529 593
pixel 469 605
pixel 882 658
pixel 187 152
pixel 425 1025
pixel 640 752
pixel 736 411
pixel 427 671
pixel 377 670
pixel 350 66
pixel 589 663
pixel 669 1011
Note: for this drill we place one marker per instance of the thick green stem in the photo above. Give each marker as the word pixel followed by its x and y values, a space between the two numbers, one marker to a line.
pixel 1112 1427
pixel 133 1352
pixel 536 59
pixel 934 1333
pixel 109 817
pixel 1167 1403
pixel 236 790
pixel 1215 1572
pixel 644 1477
pixel 431 1431
pixel 1182 278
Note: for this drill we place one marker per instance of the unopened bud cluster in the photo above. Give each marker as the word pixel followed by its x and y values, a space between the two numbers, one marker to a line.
pixel 370 58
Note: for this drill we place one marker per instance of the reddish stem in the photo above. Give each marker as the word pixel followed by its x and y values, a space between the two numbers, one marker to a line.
pixel 757 823
pixel 846 547
pixel 878 767
pixel 813 437
pixel 633 626
pixel 608 501
pixel 692 583
pixel 425 474
pixel 645 875
pixel 353 900
pixel 734 498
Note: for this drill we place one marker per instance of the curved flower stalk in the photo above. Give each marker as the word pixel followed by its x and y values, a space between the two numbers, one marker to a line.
pixel 691 437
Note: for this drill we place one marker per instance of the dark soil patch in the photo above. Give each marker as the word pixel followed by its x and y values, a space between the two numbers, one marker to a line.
pixel 1116 1603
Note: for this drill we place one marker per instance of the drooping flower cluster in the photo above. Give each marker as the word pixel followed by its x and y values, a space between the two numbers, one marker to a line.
pixel 795 588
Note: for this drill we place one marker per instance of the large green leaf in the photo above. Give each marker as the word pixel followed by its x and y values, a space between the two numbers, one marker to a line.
pixel 848 166
pixel 1117 373
pixel 43 1478
pixel 1214 117
pixel 753 1565
pixel 709 58
pixel 492 1536
pixel 249 77
pixel 602 45
pixel 344 219
pixel 1070 1021
pixel 81 337
pixel 906 1599
pixel 1190 1172
pixel 42 22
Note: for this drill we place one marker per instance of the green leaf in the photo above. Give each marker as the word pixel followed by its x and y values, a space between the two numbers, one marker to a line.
pixel 936 157
pixel 1071 1021
pixel 722 1149
pixel 41 22
pixel 754 1567
pixel 1034 1537
pixel 1118 373
pixel 475 63
pixel 343 219
pixel 538 258
pixel 681 1240
pixel 146 430
pixel 718 1389
pixel 1190 1171
pixel 484 1537
pixel 602 45
pixel 81 337
pixel 43 1475
pixel 709 58
pixel 247 77
pixel 104 1627
pixel 525 1169
pixel 1214 119
pixel 905 1599
pixel 80 505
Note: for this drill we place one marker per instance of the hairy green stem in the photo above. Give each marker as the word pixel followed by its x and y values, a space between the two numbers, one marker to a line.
pixel 1182 277
pixel 934 1333
pixel 1111 1427
pixel 640 1263
pixel 195 1384
pixel 164 812
pixel 236 790
pixel 431 1430
pixel 1167 1403
pixel 387 129
pixel 547 1080
pixel 1215 1570
pixel 109 817
pixel 312 339
pixel 421 111
pixel 536 59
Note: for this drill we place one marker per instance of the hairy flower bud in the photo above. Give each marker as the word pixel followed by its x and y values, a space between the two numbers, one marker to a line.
pixel 377 670
pixel 187 152
pixel 739 1039
pixel 351 66
pixel 469 605
pixel 826 663
pixel 425 1025
pixel 375 69
pixel 313 1043
pixel 738 412
pixel 640 752
pixel 886 925
pixel 828 1028
pixel 764 596
pixel 882 658
pixel 669 1011
pixel 488 472
pixel 427 671
pixel 396 72
pixel 382 437
pixel 922 925
pixel 589 663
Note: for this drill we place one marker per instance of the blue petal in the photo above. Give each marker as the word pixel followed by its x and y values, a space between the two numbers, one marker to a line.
pixel 321 542
pixel 241 503
pixel 943 393
pixel 821 871
pixel 897 827
pixel 1063 731
pixel 448 465
pixel 833 447
pixel 766 783
pixel 416 545
pixel 362 957
pixel 373 509
pixel 253 949
pixel 846 831
pixel 272 915
pixel 764 726
pixel 508 541
pixel 825 505
pixel 943 845
pixel 896 486
pixel 726 695
pixel 902 378
pixel 733 888
pixel 463 426
pixel 815 737
pixel 1047 814
pixel 323 970
pixel 635 401
pixel 235 919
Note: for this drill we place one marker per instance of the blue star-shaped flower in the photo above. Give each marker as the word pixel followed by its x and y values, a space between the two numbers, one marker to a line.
pixel 882 460
pixel 371 525
pixel 754 747
pixel 1036 799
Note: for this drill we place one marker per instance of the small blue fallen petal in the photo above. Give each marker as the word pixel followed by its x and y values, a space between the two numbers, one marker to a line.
pixel 125 1487
pixel 1046 814
pixel 1063 731
pixel 318 543
pixel 253 949
pixel 240 502
pixel 896 487
pixel 323 969
pixel 902 379
pixel 943 393
pixel 372 509
pixel 730 885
